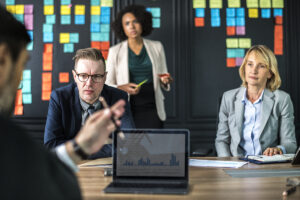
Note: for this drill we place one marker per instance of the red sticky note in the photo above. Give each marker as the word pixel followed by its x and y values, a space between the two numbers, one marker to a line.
pixel 47 66
pixel 48 57
pixel 46 95
pixel 105 54
pixel 48 48
pixel 64 77
pixel 18 110
pixel 46 77
pixel 96 45
pixel 18 100
pixel 230 62
pixel 46 86
pixel 278 32
pixel 104 45
pixel 199 21
pixel 230 30
pixel 278 19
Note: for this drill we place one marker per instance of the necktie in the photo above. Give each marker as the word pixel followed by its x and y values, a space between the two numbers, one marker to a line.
pixel 90 111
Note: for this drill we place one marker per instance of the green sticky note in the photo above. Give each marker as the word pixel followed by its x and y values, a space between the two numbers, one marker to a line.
pixel 10 2
pixel 68 48
pixel 215 3
pixel 265 3
pixel 74 37
pixel 245 43
pixel 277 4
pixel 48 2
pixel 199 3
pixel 95 36
pixel 65 19
pixel 240 53
pixel 234 3
pixel 95 19
pixel 252 3
pixel 95 2
pixel 232 43
pixel 47 28
pixel 20 18
pixel 156 22
pixel 65 2
pixel 26 74
pixel 231 53
pixel 155 12
pixel 105 28
pixel 27 98
pixel 26 88
pixel 50 19
pixel 30 46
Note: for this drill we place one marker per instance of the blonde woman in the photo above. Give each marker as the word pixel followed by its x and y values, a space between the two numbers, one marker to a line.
pixel 256 118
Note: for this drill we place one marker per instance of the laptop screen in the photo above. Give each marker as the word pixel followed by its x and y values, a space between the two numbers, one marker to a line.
pixel 151 153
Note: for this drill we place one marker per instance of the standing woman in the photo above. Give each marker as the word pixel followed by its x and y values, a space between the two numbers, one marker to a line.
pixel 137 60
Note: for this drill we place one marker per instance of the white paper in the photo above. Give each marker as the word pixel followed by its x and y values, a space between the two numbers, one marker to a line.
pixel 215 163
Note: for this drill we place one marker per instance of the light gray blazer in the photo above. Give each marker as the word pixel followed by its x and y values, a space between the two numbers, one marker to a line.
pixel 277 126
pixel 118 71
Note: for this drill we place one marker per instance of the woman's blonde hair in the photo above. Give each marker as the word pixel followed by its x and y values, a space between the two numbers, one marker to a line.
pixel 269 60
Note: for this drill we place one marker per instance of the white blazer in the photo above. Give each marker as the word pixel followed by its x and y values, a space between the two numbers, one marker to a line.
pixel 118 71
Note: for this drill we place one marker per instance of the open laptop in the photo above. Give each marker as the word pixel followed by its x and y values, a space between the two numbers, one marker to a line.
pixel 150 161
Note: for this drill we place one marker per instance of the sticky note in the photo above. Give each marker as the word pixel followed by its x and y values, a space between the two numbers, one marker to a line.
pixel 47 65
pixel 199 21
pixel 50 19
pixel 95 2
pixel 230 62
pixel 96 44
pixel 79 19
pixel 199 3
pixel 26 86
pixel 106 3
pixel 28 9
pixel 104 45
pixel 20 18
pixel 64 38
pixel 65 10
pixel 278 20
pixel 240 21
pixel 200 12
pixel 99 37
pixel 18 110
pixel 48 10
pixel 215 21
pixel 63 77
pixel 278 32
pixel 48 48
pixel 215 3
pixel 68 48
pixel 46 77
pixel 155 22
pixel 95 10
pixel 105 10
pixel 105 54
pixel 230 53
pixel 277 4
pixel 11 9
pixel 48 2
pixel 240 30
pixel 26 74
pixel 80 10
pixel 240 12
pixel 234 3
pixel 215 12
pixel 232 43
pixel 10 2
pixel 95 27
pixel 265 3
pixel 47 57
pixel 65 19
pixel 18 100
pixel 47 28
pixel 20 85
pixel 27 98
pixel 30 33
pixel 277 12
pixel 74 37
pixel 30 46
pixel 230 30
pixel 252 3
pixel 239 61
pixel 46 95
pixel 46 86
pixel 65 2
pixel 20 9
pixel 47 37
pixel 155 12
pixel 104 19
pixel 230 21
pixel 95 19
pixel 230 12
pixel 105 28
pixel 240 53
pixel 244 43
pixel 266 13
pixel 253 12
pixel 104 37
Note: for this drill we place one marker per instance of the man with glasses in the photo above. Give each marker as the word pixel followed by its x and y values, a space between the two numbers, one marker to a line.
pixel 71 105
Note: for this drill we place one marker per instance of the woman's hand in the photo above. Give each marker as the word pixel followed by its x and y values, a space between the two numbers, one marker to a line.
pixel 270 151
pixel 165 78
pixel 130 88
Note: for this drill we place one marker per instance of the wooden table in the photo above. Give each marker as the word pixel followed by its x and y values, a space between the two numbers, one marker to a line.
pixel 205 183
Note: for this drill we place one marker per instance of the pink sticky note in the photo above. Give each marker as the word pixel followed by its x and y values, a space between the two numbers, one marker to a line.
pixel 240 30
pixel 28 9
pixel 28 21
pixel 239 61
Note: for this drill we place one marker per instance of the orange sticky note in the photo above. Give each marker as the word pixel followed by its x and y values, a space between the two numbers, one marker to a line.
pixel 278 19
pixel 47 66
pixel 199 21
pixel 230 62
pixel 278 32
pixel 18 110
pixel 47 57
pixel 105 45
pixel 230 30
pixel 48 48
pixel 46 77
pixel 64 77
pixel 46 86
pixel 95 44
pixel 18 100
pixel 105 54
pixel 46 95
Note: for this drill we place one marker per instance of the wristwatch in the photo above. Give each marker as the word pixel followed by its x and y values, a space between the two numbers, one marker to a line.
pixel 78 150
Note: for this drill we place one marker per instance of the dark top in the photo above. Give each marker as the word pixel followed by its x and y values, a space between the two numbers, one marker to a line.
pixel 29 171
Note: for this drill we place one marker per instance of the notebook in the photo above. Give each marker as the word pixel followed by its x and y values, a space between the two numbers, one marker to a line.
pixel 150 161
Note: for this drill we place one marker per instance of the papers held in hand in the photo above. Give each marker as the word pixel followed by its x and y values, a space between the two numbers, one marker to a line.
pixel 262 159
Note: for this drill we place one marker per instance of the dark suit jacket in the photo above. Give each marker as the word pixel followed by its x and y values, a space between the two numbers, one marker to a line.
pixel 64 115
pixel 29 171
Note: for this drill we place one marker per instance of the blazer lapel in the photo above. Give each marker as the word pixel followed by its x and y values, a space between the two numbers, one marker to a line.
pixel 266 108
pixel 239 110
pixel 151 55
pixel 122 62
pixel 77 111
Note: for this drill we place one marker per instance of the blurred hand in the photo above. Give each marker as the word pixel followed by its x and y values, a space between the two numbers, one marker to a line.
pixel 270 151
pixel 130 88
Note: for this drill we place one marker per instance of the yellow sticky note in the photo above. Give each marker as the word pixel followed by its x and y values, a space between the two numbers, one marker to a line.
pixel 95 10
pixel 265 3
pixel 20 9
pixel 64 38
pixel 252 3
pixel 215 3
pixel 245 43
pixel 49 10
pixel 65 10
pixel 253 12
pixel 199 3
pixel 277 4
pixel 107 3
pixel 80 10
pixel 11 9
pixel 234 3
pixel 232 43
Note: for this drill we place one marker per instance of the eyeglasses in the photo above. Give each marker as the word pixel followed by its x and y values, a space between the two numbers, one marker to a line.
pixel 83 77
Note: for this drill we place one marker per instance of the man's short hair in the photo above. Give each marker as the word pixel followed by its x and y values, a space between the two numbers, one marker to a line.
pixel 89 54
pixel 12 33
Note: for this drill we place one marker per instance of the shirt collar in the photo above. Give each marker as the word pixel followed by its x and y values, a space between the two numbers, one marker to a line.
pixel 85 106
pixel 244 99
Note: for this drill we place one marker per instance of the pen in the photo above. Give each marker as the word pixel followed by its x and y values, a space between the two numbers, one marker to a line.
pixel 105 105
pixel 289 191
pixel 141 83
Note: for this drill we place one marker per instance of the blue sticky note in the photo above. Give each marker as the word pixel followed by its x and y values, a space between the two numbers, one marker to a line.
pixel 20 17
pixel 240 53
pixel 74 37
pixel 104 37
pixel 277 12
pixel 10 2
pixel 214 12
pixel 105 10
pixel 230 21
pixel 231 53
pixel 105 28
pixel 240 21
pixel 29 46
pixel 20 85
pixel 65 19
pixel 215 21
pixel 48 37
pixel 65 2
pixel 240 12
pixel 230 12
pixel 30 33
pixel 26 74
pixel 47 28
pixel 104 19
pixel 156 22
pixel 48 2
pixel 27 98
pixel 79 19
pixel 266 13
pixel 95 36
pixel 155 12
pixel 50 19
pixel 200 12
pixel 68 48
pixel 95 2
pixel 26 86
pixel 95 19
pixel 95 28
